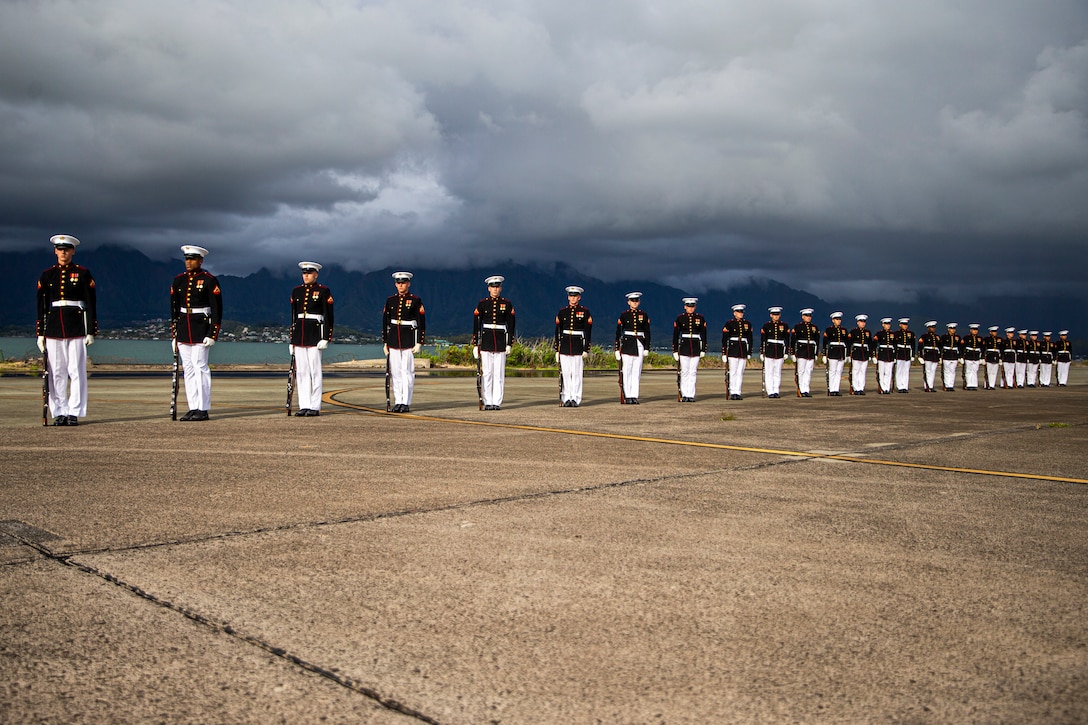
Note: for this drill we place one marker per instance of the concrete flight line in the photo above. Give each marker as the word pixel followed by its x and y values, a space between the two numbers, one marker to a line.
pixel 331 400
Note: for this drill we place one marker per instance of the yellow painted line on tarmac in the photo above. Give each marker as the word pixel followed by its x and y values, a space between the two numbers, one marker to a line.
pixel 331 400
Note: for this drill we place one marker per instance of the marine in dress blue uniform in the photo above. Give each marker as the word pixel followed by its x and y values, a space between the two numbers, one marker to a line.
pixel 906 345
pixel 835 352
pixel 737 337
pixel 689 345
pixel 774 341
pixel 311 332
pixel 992 345
pixel 884 341
pixel 804 348
pixel 929 356
pixel 1063 357
pixel 951 355
pixel 404 330
pixel 196 314
pixel 493 329
pixel 573 336
pixel 971 347
pixel 860 341
pixel 66 323
pixel 632 344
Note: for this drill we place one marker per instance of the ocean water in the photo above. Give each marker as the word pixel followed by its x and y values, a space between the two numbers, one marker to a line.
pixel 153 352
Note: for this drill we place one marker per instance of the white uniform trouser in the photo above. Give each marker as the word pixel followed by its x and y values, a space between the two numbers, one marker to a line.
pixel 772 375
pixel 970 372
pixel 948 372
pixel 1045 370
pixel 992 371
pixel 1063 373
pixel 834 374
pixel 736 374
pixel 308 377
pixel 571 368
pixel 858 369
pixel 902 374
pixel 632 372
pixel 402 375
pixel 929 373
pixel 804 374
pixel 492 376
pixel 1032 373
pixel 198 377
pixel 67 376
pixel 1021 373
pixel 689 370
pixel 884 372
pixel 1008 369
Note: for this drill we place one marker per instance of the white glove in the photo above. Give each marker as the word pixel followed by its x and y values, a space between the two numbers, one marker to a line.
pixel 676 356
pixel 290 349
pixel 872 360
pixel 961 361
pixel 793 358
pixel 208 342
pixel 509 349
pixel 173 344
pixel 644 351
pixel 761 358
pixel 702 354
pixel 618 355
pixel 41 343
pixel 416 348
pixel 88 340
pixel 385 350
pixel 585 356
pixel 475 352
pixel 920 362
pixel 823 359
pixel 322 344
pixel 557 358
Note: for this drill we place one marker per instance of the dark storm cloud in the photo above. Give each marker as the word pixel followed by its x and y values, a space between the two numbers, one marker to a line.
pixel 851 149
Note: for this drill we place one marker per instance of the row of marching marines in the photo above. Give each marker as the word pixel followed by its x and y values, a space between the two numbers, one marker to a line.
pixel 67 323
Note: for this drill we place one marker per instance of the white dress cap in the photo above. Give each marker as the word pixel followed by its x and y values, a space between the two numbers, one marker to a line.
pixel 836 315
pixel 885 320
pixel 309 265
pixel 1063 332
pixel 861 318
pixel 739 308
pixel 494 279
pixel 951 325
pixel 775 310
pixel 993 328
pixel 191 250
pixel 904 320
pixel 1010 329
pixel 574 290
pixel 931 323
pixel 691 300
pixel 1047 334
pixel 633 295
pixel 399 276
pixel 1034 333
pixel 61 241
pixel 974 326
pixel 806 311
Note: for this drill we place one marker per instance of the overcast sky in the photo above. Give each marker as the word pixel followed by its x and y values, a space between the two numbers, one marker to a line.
pixel 850 148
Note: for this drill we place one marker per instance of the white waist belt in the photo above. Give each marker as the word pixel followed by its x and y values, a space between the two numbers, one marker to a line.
pixel 737 339
pixel 774 342
pixel 406 323
pixel 574 333
pixel 888 346
pixel 836 343
pixel 629 333
pixel 319 318
pixel 488 326
pixel 67 303
pixel 697 337
pixel 196 311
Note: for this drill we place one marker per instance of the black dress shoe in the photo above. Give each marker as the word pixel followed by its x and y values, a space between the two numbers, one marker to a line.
pixel 311 413
pixel 634 401
pixel 300 413
pixel 200 415
pixel 60 420
pixel 806 395
pixel 72 420
pixel 188 415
